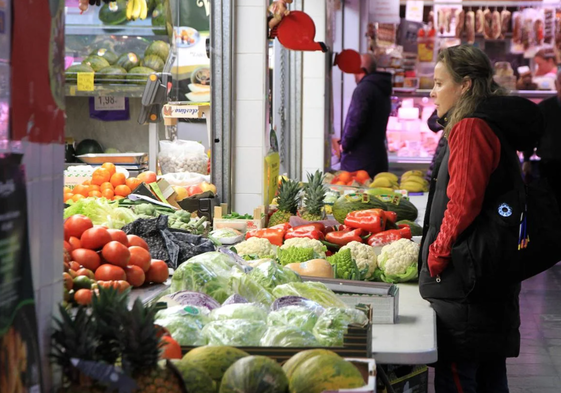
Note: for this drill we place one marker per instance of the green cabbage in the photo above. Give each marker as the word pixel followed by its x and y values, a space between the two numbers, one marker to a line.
pixel 286 336
pixel 270 274
pixel 101 211
pixel 294 316
pixel 332 325
pixel 315 291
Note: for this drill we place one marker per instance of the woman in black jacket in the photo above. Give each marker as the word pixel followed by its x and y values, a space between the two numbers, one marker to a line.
pixel 471 223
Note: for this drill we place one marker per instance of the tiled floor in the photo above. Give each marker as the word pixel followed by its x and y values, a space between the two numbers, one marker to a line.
pixel 538 368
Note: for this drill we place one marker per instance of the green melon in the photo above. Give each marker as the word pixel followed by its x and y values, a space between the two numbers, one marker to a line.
pixel 325 372
pixel 88 146
pixel 113 13
pixel 405 210
pixel 108 55
pixel 154 62
pixel 159 20
pixel 139 74
pixel 96 62
pixel 295 361
pixel 111 74
pixel 215 360
pixel 128 60
pixel 72 72
pixel 195 377
pixel 416 230
pixel 254 374
pixel 158 48
pixel 353 202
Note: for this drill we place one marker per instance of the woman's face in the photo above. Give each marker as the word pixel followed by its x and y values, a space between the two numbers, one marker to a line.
pixel 445 92
pixel 543 66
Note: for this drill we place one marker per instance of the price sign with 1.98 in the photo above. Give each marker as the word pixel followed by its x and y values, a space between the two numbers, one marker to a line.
pixel 108 103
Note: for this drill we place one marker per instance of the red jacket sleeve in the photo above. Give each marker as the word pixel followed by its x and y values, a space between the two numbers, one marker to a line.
pixel 475 152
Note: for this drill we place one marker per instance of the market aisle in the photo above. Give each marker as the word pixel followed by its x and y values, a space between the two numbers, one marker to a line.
pixel 538 368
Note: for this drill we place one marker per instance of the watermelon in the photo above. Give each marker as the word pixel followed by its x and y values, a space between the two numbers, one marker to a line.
pixel 128 60
pixel 295 361
pixel 88 146
pixel 353 202
pixel 254 374
pixel 325 372
pixel 159 20
pixel 195 377
pixel 139 74
pixel 113 14
pixel 108 55
pixel 111 74
pixel 153 62
pixel 215 360
pixel 158 48
pixel 405 210
pixel 72 71
pixel 96 62
pixel 416 230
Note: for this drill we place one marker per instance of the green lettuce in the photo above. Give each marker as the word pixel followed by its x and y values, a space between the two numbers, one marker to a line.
pixel 332 325
pixel 295 316
pixel 315 291
pixel 247 311
pixel 102 212
pixel 185 324
pixel 270 274
pixel 286 336
pixel 234 332
pixel 194 276
pixel 245 286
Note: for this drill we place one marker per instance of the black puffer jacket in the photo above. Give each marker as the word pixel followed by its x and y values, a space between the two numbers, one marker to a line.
pixel 477 312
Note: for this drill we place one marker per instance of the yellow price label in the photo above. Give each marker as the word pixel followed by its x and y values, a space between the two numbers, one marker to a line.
pixel 85 81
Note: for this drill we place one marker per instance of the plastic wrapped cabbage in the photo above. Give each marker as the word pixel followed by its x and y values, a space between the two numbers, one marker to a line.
pixel 220 263
pixel 270 274
pixel 234 332
pixel 195 276
pixel 315 291
pixel 293 316
pixel 245 286
pixel 234 299
pixel 285 336
pixel 332 325
pixel 247 311
pixel 185 324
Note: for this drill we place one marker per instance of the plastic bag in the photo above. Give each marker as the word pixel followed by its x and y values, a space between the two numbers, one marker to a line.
pixel 182 156
pixel 315 291
pixel 247 311
pixel 195 276
pixel 235 332
pixel 270 274
pixel 286 336
pixel 245 286
pixel 332 325
pixel 185 179
pixel 293 316
pixel 185 324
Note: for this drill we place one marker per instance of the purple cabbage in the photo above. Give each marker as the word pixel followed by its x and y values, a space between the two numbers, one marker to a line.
pixel 286 301
pixel 190 298
pixel 234 299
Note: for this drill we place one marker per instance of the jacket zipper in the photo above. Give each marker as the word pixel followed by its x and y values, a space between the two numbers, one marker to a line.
pixel 438 278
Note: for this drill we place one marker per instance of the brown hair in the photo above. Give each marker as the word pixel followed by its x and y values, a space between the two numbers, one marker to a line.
pixel 467 62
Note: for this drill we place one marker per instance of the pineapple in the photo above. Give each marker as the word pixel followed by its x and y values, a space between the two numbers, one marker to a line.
pixel 288 202
pixel 315 194
pixel 140 348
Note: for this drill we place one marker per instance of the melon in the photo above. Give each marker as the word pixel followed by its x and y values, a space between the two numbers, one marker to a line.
pixel 139 74
pixel 96 62
pixel 72 72
pixel 128 60
pixel 111 74
pixel 295 361
pixel 158 48
pixel 113 14
pixel 111 57
pixel 195 377
pixel 353 202
pixel 325 372
pixel 254 374
pixel 405 210
pixel 154 62
pixel 215 360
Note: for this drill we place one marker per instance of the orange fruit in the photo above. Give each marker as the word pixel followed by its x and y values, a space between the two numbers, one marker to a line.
pixel 118 179
pixel 67 196
pixel 94 187
pixel 96 194
pixel 117 197
pixel 122 190
pixel 100 176
pixel 77 197
pixel 66 190
pixel 81 190
pixel 106 186
pixel 107 193
pixel 361 176
pixel 344 177
pixel 341 183
pixel 132 183
pixel 86 183
pixel 110 167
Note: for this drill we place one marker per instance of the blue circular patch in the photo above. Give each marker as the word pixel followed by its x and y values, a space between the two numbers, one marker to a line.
pixel 505 210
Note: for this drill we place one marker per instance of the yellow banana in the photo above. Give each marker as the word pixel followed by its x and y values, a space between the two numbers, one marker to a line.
pixel 414 173
pixel 382 182
pixel 136 10
pixel 388 175
pixel 413 187
pixel 143 9
pixel 130 5
pixel 415 179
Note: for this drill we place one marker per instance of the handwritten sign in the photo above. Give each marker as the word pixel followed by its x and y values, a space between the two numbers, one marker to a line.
pixel 85 81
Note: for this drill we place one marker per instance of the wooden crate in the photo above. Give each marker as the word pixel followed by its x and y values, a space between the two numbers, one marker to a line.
pixel 242 225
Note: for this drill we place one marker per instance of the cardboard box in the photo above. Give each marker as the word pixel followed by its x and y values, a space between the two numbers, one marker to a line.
pixel 407 379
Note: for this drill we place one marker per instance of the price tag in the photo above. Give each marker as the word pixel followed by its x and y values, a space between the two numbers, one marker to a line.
pixel 109 103
pixel 85 81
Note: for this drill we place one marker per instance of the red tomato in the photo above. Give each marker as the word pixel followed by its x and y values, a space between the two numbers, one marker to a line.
pixel 87 258
pixel 76 225
pixel 158 272
pixel 140 257
pixel 119 236
pixel 74 265
pixel 74 242
pixel 122 285
pixel 95 238
pixel 67 246
pixel 116 253
pixel 137 241
pixel 193 190
pixel 85 272
pixel 135 275
pixel 171 349
pixel 83 297
pixel 110 272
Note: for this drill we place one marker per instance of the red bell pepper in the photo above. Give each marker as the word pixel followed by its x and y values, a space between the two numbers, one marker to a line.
pixel 274 235
pixel 390 216
pixel 308 231
pixel 342 238
pixel 386 237
pixel 371 220
pixel 317 225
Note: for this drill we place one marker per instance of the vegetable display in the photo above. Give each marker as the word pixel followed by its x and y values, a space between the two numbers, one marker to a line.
pixel 398 261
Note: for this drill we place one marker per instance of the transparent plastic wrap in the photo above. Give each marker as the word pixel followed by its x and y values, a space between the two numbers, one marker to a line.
pixel 182 156
pixel 332 325
pixel 185 179
pixel 247 311
pixel 270 274
pixel 195 276
pixel 234 332
pixel 286 336
pixel 245 286
pixel 293 316
pixel 185 324
pixel 315 291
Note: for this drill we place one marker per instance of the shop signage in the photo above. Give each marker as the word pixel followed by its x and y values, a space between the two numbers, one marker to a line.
pixel 414 10
pixel 384 11
pixel 109 103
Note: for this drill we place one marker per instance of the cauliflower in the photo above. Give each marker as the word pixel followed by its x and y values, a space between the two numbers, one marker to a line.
pixel 398 261
pixel 364 256
pixel 256 247
pixel 304 242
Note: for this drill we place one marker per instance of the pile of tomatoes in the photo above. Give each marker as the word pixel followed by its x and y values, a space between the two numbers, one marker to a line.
pixel 344 178
pixel 106 182
pixel 96 256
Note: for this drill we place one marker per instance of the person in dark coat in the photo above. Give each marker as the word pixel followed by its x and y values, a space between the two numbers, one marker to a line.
pixel 363 143
pixel 467 240
pixel 435 127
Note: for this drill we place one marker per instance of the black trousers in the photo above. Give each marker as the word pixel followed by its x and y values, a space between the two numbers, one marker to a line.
pixel 551 170
pixel 471 377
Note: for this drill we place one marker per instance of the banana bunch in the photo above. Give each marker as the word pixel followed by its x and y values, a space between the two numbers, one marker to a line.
pixel 414 181
pixel 385 180
pixel 137 9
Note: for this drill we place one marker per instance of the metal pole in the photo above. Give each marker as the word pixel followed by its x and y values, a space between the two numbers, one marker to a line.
pixel 153 140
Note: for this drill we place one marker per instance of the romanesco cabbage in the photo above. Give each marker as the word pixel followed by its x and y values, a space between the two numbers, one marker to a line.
pixel 319 247
pixel 398 261
pixel 295 254
pixel 344 265
pixel 364 256
pixel 256 246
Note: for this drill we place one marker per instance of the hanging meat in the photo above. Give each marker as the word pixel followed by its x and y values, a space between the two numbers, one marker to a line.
pixel 527 33
pixel 460 24
pixel 549 26
pixel 538 32
pixel 441 23
pixel 505 22
pixel 479 21
pixel 496 25
pixel 470 27
pixel 517 28
pixel 488 24
pixel 449 16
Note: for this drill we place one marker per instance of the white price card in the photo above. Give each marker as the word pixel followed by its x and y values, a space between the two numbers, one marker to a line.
pixel 414 10
pixel 108 103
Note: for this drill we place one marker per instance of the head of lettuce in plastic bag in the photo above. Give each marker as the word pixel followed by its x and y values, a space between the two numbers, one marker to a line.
pixel 207 273
pixel 287 336
pixel 270 274
pixel 248 311
pixel 185 323
pixel 332 325
pixel 294 316
pixel 245 286
pixel 235 332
